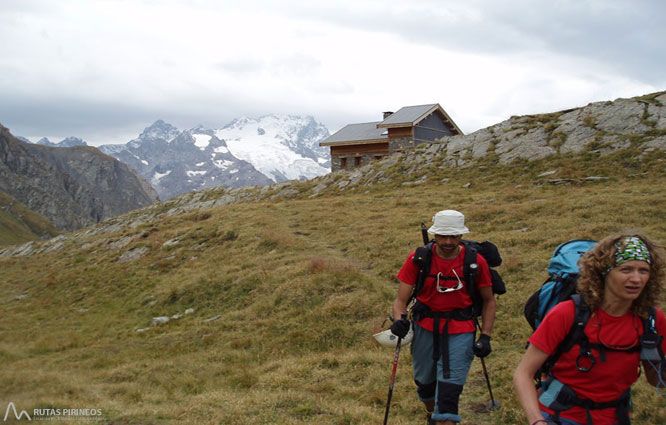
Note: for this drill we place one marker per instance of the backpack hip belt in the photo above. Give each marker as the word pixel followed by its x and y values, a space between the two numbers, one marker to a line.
pixel 421 311
pixel 567 398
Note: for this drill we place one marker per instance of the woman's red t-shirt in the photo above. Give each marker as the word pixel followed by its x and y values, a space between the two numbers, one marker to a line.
pixel 607 380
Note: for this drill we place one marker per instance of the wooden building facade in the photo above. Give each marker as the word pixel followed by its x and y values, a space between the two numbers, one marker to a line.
pixel 357 144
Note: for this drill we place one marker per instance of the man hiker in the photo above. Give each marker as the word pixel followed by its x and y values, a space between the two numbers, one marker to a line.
pixel 443 346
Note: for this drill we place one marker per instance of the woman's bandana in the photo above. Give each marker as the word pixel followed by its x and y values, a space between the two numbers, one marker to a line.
pixel 630 249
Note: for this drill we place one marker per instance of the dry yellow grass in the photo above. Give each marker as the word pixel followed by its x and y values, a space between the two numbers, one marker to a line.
pixel 297 287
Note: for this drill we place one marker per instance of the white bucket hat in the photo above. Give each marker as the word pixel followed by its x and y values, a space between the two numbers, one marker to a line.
pixel 448 223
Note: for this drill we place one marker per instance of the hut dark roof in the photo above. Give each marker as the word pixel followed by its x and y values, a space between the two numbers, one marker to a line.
pixel 373 132
pixel 363 133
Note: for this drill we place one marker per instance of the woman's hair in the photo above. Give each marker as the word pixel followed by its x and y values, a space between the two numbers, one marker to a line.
pixel 593 267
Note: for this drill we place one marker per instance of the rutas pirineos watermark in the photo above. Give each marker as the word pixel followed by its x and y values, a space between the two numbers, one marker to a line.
pixel 52 414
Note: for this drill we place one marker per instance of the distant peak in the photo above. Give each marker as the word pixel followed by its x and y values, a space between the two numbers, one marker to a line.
pixel 72 141
pixel 265 120
pixel 159 130
pixel 201 129
pixel 67 142
pixel 161 124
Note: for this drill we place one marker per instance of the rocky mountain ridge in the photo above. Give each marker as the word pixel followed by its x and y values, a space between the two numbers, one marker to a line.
pixel 245 152
pixel 171 161
pixel 636 125
pixel 72 187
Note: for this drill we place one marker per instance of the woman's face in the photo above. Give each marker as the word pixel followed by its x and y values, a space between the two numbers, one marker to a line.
pixel 626 281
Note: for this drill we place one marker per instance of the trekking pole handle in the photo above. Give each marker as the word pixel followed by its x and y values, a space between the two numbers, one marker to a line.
pixel 424 233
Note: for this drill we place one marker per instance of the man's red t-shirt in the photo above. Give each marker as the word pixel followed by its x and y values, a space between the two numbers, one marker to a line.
pixel 607 380
pixel 447 301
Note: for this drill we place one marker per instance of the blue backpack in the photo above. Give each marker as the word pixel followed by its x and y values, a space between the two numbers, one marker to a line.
pixel 561 282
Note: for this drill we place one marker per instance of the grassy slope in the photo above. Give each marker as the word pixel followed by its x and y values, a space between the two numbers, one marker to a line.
pixel 300 287
pixel 18 224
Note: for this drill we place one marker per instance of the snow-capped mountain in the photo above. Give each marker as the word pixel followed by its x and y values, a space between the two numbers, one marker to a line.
pixel 245 152
pixel 280 147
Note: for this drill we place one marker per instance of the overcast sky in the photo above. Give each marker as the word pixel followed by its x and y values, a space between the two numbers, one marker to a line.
pixel 103 70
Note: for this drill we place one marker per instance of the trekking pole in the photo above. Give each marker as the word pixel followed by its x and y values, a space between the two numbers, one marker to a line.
pixel 424 233
pixel 494 404
pixel 395 368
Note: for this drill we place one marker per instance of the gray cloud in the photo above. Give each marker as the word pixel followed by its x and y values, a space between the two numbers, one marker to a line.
pixel 62 117
pixel 628 36
pixel 69 69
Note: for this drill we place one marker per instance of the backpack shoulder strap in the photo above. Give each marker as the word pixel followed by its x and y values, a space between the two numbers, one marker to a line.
pixel 576 334
pixel 651 340
pixel 582 314
pixel 423 255
pixel 422 258
pixel 470 267
pixel 650 323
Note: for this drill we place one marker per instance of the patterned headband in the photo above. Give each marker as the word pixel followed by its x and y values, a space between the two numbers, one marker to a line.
pixel 631 248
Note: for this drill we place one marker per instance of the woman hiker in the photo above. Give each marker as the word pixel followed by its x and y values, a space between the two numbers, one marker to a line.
pixel 620 280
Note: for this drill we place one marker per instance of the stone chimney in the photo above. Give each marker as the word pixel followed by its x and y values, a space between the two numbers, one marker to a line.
pixel 387 114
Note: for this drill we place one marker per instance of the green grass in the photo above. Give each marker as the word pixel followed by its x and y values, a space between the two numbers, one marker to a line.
pixel 300 286
pixel 18 224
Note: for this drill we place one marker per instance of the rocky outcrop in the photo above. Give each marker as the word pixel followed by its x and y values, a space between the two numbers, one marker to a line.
pixel 72 187
pixel 601 126
pixel 117 188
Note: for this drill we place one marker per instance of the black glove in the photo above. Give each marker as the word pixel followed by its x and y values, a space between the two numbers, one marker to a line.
pixel 482 346
pixel 400 328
